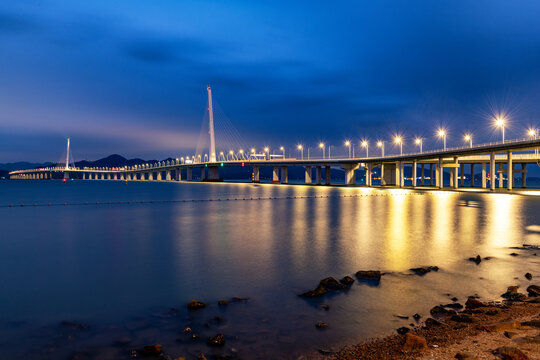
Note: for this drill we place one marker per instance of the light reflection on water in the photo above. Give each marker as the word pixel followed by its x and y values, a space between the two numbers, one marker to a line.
pixel 106 264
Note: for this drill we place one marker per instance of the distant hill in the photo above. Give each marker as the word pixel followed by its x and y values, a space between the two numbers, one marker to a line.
pixel 22 165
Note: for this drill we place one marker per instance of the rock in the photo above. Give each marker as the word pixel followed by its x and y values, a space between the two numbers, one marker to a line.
pixel 476 259
pixel 512 294
pixel 533 290
pixel 201 357
pixel 347 281
pixel 325 351
pixel 439 310
pixel 401 316
pixel 403 330
pixel 318 291
pixel 151 350
pixel 424 270
pixel 510 334
pixel 216 340
pixel 414 344
pixel 501 326
pixel 195 305
pixel 528 276
pixel 417 316
pixel 488 258
pixel 430 322
pixel 187 330
pixel 325 284
pixel 325 307
pixel 531 323
pixel 239 299
pixel 510 353
pixel 369 274
pixel 462 318
pixel 321 325
pixel 454 299
pixel 462 355
pixel 492 312
pixel 222 303
pixel 514 254
pixel 454 306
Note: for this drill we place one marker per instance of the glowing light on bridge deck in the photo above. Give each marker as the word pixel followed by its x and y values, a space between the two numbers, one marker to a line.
pixel 321 145
pixel 418 141
pixel 499 122
pixel 442 134
pixel 300 147
pixel 468 137
pixel 252 151
pixel 532 132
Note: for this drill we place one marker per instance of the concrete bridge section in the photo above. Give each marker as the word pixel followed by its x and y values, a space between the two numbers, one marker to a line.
pixel 509 158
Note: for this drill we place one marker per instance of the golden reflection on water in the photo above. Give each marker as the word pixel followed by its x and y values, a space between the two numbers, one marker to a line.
pixel 504 219
pixel 397 240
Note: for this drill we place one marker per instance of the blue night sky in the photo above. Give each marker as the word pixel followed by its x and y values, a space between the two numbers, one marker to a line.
pixel 130 76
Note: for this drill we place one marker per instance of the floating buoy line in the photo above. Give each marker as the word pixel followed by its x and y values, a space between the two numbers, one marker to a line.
pixel 203 200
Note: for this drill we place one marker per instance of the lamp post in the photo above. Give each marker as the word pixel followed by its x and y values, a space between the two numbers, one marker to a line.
pixel 241 151
pixel 282 150
pixel 534 134
pixel 468 137
pixel 301 148
pixel 380 144
pixel 442 134
pixel 499 121
pixel 348 144
pixel 231 152
pixel 365 144
pixel 399 141
pixel 321 145
pixel 267 151
pixel 418 141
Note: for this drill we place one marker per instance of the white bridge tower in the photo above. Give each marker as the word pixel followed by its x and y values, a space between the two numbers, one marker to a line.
pixel 211 126
pixel 67 156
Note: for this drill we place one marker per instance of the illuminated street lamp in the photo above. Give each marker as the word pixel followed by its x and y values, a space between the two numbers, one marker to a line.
pixel 366 145
pixel 380 144
pixel 321 145
pixel 418 141
pixel 442 134
pixel 301 148
pixel 232 154
pixel 468 137
pixel 348 144
pixel 267 151
pixel 241 151
pixel 283 150
pixel 499 121
pixel 399 141
pixel 534 134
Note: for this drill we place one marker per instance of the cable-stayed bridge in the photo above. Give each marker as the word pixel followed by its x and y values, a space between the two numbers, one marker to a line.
pixel 495 159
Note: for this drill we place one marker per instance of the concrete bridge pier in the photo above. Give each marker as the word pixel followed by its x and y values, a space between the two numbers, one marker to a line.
pixel 368 174
pixel 203 174
pixel 430 174
pixel 284 175
pixel 318 174
pixel 484 175
pixel 462 174
pixel 422 177
pixel 168 175
pixel 189 176
pixel 213 173
pixel 414 166
pixel 472 175
pixel 327 174
pixel 256 174
pixel 275 174
pixel 523 175
pixel 455 172
pixel 178 174
pixel 401 174
pixel 440 174
pixel 159 176
pixel 492 171
pixel 500 173
pixel 115 176
pixel 350 175
pixel 383 179
pixel 510 173
pixel 307 177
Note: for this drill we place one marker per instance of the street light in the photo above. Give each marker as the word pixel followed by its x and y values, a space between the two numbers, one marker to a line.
pixel 399 141
pixel 301 148
pixel 283 150
pixel 321 145
pixel 267 151
pixel 366 145
pixel 241 151
pixel 348 144
pixel 232 154
pixel 442 133
pixel 468 137
pixel 499 121
pixel 534 134
pixel 381 145
pixel 418 141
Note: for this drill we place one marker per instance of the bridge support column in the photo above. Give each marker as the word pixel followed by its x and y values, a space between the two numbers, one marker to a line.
pixel 168 175
pixel 327 174
pixel 455 172
pixel 383 180
pixel 484 176
pixel 203 174
pixel 307 177
pixel 284 175
pixel 510 172
pixel 213 173
pixel 115 176
pixel 318 175
pixel 422 177
pixel 255 177
pixel 401 174
pixel 350 175
pixel 178 174
pixel 440 176
pixel 159 176
pixel 430 174
pixel 189 174
pixel 472 175
pixel 501 185
pixel 523 175
pixel 462 174
pixel 397 174
pixel 275 174
pixel 414 166
pixel 492 171
pixel 368 174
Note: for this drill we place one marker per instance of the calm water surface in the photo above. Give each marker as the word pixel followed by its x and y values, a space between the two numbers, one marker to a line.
pixel 120 267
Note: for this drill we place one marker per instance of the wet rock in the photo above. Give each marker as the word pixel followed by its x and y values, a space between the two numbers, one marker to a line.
pixel 462 355
pixel 533 290
pixel 369 274
pixel 325 284
pixel 195 305
pixel 476 259
pixel 510 353
pixel 217 340
pixel 514 254
pixel 414 344
pixel 347 281
pixel 528 276
pixel 462 318
pixel 401 316
pixel 321 325
pixel 325 307
pixel 510 334
pixel 454 299
pixel 222 303
pixel 239 299
pixel 325 351
pixel 201 357
pixel 403 330
pixel 488 258
pixel 439 310
pixel 151 350
pixel 430 322
pixel 492 312
pixel 473 303
pixel 512 294
pixel 187 330
pixel 318 291
pixel 454 306
pixel 531 323
pixel 424 270
pixel 417 316
pixel 501 326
